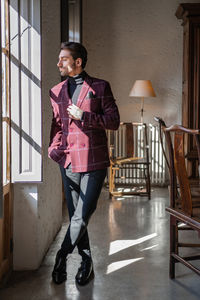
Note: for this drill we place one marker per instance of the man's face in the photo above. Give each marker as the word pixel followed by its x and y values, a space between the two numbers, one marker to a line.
pixel 67 65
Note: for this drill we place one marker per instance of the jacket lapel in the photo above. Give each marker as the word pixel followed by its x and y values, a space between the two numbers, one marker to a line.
pixel 65 95
pixel 84 90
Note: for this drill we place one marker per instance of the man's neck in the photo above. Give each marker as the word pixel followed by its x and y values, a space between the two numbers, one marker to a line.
pixel 76 72
pixel 77 79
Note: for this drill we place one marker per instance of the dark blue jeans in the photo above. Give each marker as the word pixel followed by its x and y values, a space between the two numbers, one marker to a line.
pixel 82 191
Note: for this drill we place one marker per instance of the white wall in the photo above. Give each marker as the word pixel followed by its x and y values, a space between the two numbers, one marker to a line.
pixel 38 206
pixel 137 39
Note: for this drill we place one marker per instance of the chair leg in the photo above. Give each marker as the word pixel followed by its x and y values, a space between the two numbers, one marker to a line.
pixel 112 180
pixel 110 170
pixel 149 188
pixel 173 245
pixel 149 183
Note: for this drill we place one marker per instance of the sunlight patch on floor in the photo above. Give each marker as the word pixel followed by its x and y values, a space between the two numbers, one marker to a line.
pixel 121 264
pixel 120 245
pixel 149 248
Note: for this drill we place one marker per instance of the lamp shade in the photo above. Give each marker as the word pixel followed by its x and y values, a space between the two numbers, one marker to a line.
pixel 142 88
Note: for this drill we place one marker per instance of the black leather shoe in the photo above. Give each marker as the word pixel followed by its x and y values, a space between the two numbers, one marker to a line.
pixel 85 272
pixel 59 273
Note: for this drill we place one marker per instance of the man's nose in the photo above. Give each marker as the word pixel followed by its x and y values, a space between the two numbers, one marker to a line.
pixel 59 63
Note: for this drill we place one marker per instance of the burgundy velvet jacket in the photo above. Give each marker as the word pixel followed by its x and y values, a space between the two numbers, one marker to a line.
pixel 83 143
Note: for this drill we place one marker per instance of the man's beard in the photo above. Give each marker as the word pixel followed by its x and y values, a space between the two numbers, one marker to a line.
pixel 65 72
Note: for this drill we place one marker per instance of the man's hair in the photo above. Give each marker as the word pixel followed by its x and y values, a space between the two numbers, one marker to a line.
pixel 77 50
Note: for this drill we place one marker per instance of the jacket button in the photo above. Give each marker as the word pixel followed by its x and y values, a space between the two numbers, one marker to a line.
pixel 71 145
pixel 83 145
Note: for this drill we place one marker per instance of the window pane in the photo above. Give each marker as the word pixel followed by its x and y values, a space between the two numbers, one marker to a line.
pixel 5 174
pixel 5 115
pixel 4 102
pixel 3 24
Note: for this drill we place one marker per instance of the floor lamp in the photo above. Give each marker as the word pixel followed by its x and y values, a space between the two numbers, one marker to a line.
pixel 142 88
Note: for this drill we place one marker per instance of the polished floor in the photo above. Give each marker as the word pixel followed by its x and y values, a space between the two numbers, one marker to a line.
pixel 130 246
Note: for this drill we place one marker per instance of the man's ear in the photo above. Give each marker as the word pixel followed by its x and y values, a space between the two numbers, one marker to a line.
pixel 79 62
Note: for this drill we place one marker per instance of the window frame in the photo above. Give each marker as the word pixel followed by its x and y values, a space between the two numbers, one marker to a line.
pixel 26 98
pixel 1 148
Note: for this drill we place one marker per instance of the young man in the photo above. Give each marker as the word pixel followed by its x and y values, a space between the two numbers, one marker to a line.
pixel 83 107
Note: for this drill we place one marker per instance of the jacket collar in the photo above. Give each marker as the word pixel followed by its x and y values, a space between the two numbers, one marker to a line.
pixel 84 90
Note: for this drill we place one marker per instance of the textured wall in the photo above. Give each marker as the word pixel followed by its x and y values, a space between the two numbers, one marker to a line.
pixel 50 191
pixel 137 39
pixel 38 206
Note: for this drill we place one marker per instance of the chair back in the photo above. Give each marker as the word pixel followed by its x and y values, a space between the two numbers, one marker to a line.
pixel 169 158
pixel 130 140
pixel 175 136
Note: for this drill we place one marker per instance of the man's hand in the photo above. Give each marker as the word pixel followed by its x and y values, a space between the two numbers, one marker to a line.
pixel 75 112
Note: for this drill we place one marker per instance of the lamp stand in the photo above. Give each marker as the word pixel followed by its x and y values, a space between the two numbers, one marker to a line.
pixel 142 108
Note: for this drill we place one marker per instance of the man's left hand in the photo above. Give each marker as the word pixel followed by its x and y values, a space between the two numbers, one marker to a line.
pixel 75 112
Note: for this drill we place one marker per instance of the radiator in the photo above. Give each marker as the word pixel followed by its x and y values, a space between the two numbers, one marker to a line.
pixel 156 157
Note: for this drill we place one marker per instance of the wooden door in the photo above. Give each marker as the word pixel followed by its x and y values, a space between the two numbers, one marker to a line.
pixel 6 243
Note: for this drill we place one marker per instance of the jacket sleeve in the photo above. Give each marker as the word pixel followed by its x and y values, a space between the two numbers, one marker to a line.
pixel 56 129
pixel 109 117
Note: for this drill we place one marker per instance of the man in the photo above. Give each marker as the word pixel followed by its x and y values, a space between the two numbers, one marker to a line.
pixel 83 107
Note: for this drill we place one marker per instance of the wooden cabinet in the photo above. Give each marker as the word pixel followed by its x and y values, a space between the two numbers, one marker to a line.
pixel 190 14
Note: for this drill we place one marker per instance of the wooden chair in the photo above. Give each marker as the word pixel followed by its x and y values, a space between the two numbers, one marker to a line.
pixel 129 158
pixel 184 194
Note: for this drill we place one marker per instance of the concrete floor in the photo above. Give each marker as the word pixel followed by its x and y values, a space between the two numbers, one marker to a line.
pixel 130 246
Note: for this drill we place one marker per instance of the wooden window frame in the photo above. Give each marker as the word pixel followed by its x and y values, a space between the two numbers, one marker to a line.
pixel 6 51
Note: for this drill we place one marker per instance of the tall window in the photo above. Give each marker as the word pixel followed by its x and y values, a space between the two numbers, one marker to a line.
pixel 20 109
pixel 26 114
pixel 21 90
